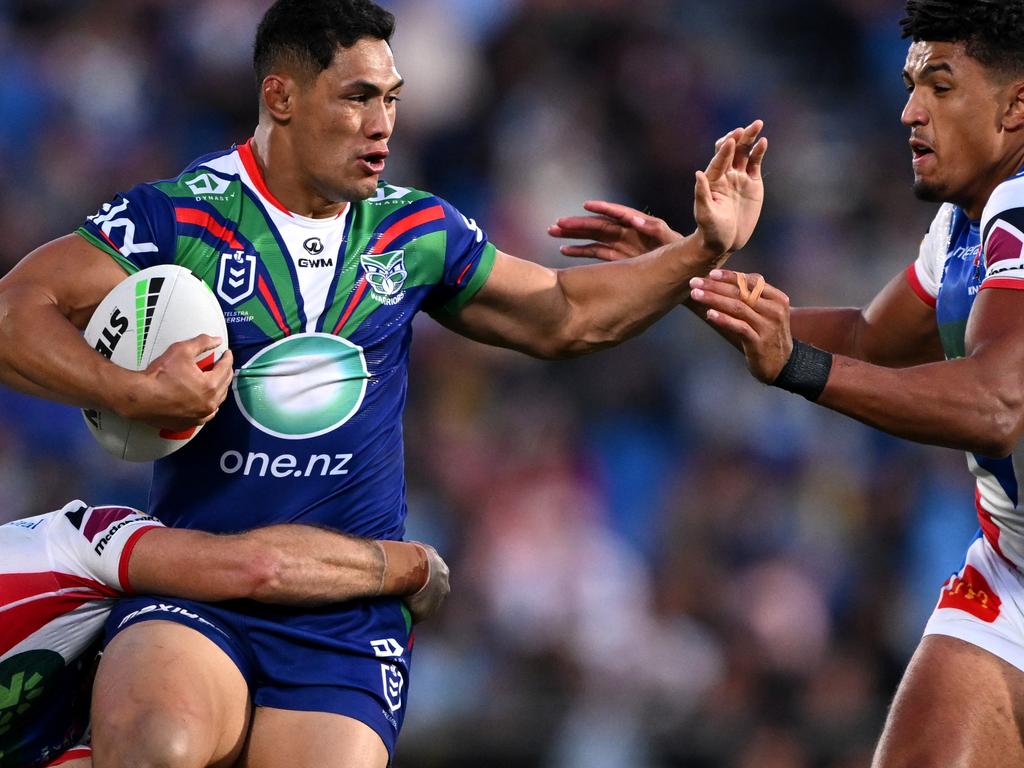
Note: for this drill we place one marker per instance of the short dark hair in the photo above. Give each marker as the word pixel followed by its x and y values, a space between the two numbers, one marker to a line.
pixel 307 33
pixel 992 31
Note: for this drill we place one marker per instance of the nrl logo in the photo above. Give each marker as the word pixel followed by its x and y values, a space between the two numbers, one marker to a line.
pixel 386 275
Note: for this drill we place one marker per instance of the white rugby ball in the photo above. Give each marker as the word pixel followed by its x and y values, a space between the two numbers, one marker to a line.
pixel 136 322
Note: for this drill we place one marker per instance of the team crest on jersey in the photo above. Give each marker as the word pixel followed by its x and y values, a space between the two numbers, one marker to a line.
pixel 386 273
pixel 236 279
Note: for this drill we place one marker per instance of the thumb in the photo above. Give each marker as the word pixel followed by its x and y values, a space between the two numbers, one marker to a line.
pixel 702 189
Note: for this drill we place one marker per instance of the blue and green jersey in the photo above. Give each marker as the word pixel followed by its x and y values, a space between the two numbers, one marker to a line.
pixel 319 315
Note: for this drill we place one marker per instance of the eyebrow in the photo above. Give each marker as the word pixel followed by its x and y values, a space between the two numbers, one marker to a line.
pixel 373 89
pixel 931 69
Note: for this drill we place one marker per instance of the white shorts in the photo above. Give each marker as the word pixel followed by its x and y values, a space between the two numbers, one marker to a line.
pixel 983 605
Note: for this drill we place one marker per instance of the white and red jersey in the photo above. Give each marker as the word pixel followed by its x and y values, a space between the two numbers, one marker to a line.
pixel 59 574
pixel 959 258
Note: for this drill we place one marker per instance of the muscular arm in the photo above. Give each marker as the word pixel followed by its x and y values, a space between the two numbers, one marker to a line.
pixel 896 329
pixel 48 298
pixel 554 313
pixel 288 564
pixel 50 295
pixel 974 403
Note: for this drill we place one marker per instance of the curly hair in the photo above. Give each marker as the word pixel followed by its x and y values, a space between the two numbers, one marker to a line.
pixel 992 31
pixel 307 33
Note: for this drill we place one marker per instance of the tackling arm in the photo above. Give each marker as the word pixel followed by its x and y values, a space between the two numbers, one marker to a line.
pixel 288 564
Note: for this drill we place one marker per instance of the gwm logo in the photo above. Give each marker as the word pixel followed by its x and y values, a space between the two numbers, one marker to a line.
pixel 386 275
pixel 313 246
pixel 302 386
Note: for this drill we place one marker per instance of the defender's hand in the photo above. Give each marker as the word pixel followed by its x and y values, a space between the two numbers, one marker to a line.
pixel 729 193
pixel 761 322
pixel 617 231
pixel 429 598
pixel 174 392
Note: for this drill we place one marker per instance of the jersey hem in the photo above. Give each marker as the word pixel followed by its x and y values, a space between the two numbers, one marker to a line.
pixel 1013 283
pixel 126 556
pixel 918 288
pixel 108 249
pixel 476 282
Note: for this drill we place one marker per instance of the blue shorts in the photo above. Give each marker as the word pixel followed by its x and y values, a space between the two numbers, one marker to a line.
pixel 350 659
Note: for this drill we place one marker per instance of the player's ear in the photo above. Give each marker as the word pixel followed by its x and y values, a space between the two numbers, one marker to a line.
pixel 1013 119
pixel 278 96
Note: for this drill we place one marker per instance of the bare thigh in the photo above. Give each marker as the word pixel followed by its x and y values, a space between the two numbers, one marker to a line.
pixel 282 738
pixel 957 705
pixel 166 695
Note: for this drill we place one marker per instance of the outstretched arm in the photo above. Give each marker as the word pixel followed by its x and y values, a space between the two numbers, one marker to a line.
pixel 561 313
pixel 289 564
pixel 974 403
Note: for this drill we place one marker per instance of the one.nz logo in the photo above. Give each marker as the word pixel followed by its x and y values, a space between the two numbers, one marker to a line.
pixel 386 274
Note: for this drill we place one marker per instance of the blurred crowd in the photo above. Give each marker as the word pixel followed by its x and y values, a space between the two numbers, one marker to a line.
pixel 656 561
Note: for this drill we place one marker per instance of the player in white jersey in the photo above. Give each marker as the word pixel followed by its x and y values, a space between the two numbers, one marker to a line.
pixel 60 573
pixel 937 357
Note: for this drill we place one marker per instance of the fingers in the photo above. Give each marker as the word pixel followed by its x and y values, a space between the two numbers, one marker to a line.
pixel 756 157
pixel 749 148
pixel 593 251
pixel 586 228
pixel 621 213
pixel 722 160
pixel 749 295
pixel 201 343
pixel 725 282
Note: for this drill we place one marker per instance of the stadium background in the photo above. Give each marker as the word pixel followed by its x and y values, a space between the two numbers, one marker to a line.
pixel 656 561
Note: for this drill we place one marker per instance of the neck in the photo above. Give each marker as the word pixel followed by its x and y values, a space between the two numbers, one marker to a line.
pixel 275 156
pixel 1004 170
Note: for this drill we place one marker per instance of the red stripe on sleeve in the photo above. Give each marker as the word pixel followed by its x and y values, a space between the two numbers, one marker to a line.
pixel 74 754
pixel 207 222
pixel 916 287
pixel 126 556
pixel 404 225
pixel 1013 283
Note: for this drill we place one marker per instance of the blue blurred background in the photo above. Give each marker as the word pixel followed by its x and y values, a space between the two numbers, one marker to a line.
pixel 656 561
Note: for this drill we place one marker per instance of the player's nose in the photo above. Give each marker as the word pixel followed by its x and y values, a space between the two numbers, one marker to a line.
pixel 914 112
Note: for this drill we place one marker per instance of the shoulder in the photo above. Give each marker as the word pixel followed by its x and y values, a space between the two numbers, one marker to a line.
pixel 1006 204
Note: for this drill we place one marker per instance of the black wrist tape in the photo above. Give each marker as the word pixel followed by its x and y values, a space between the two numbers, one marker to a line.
pixel 806 372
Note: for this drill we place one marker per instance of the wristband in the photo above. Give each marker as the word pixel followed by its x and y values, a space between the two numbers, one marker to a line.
pixel 806 372
pixel 406 568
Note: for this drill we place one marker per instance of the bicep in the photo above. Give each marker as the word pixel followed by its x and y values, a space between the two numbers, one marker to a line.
pixel 69 273
pixel 898 328
pixel 516 307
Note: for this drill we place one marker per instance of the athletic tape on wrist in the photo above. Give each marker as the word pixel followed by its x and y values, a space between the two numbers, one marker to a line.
pixel 806 372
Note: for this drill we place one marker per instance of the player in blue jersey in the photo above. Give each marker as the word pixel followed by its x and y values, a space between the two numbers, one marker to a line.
pixel 320 267
pixel 936 357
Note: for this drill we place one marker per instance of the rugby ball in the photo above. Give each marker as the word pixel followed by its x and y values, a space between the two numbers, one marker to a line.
pixel 134 324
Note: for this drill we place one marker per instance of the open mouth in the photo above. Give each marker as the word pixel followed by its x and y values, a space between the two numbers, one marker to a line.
pixel 374 161
pixel 920 150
